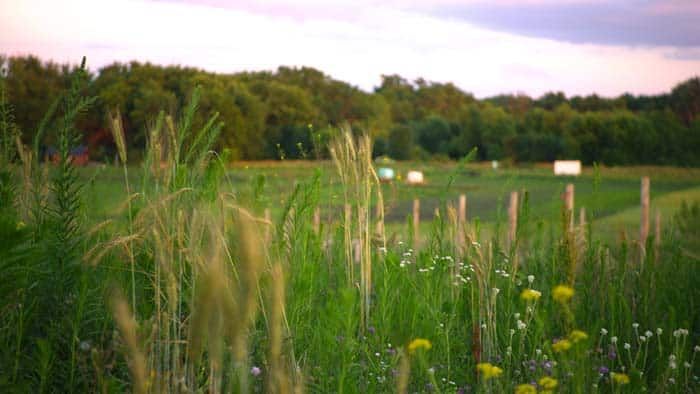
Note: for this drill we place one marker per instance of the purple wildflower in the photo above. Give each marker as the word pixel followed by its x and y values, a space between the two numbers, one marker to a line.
pixel 547 365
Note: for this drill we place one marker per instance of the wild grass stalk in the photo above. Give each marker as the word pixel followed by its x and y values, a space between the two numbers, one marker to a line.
pixel 119 139
pixel 353 161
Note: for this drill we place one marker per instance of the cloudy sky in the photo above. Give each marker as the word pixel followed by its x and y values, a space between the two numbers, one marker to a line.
pixel 485 47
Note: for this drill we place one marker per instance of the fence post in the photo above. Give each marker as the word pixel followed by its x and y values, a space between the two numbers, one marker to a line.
pixel 512 218
pixel 462 209
pixel 569 204
pixel 461 221
pixel 348 214
pixel 317 220
pixel 416 221
pixel 644 224
pixel 268 226
pixel 380 218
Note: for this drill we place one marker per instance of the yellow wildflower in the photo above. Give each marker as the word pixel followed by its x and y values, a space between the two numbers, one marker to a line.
pixel 561 346
pixel 20 225
pixel 548 383
pixel 562 293
pixel 530 295
pixel 620 378
pixel 577 336
pixel 419 343
pixel 488 370
pixel 525 389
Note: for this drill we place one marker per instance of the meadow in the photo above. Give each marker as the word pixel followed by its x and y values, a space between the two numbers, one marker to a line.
pixel 610 195
pixel 169 277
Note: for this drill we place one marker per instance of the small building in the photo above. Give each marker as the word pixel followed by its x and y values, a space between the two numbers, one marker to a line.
pixel 79 155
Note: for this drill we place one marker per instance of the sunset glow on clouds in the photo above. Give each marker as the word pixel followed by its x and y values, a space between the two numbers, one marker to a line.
pixel 487 48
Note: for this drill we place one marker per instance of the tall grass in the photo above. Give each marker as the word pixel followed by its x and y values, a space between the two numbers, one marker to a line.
pixel 189 288
pixel 353 160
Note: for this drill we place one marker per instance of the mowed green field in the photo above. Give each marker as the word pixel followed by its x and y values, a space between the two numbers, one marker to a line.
pixel 610 195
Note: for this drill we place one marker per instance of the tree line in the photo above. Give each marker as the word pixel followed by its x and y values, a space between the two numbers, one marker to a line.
pixel 291 113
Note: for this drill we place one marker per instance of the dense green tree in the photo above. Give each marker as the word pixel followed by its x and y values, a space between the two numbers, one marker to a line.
pixel 685 100
pixel 400 142
pixel 32 86
pixel 433 134
pixel 551 100
pixel 291 111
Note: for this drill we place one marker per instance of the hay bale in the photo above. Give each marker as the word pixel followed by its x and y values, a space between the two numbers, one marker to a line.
pixel 415 178
pixel 386 174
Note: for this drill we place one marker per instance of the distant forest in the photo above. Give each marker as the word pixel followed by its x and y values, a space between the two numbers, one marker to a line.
pixel 291 112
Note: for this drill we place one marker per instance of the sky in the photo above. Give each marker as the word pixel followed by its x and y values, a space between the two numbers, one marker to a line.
pixel 485 47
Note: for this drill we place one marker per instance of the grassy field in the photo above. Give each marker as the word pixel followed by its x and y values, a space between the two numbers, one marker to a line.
pixel 168 277
pixel 610 196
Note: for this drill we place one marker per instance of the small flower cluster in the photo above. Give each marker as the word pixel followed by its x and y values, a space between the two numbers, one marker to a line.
pixel 406 258
pixel 419 343
pixel 488 370
pixel 562 294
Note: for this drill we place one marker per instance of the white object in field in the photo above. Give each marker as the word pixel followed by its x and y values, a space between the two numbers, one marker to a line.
pixel 494 164
pixel 567 167
pixel 386 174
pixel 415 178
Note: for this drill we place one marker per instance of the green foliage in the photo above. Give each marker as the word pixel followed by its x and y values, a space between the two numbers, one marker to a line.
pixel 400 143
pixel 8 135
pixel 267 115
pixel 202 265
pixel 65 185
pixel 687 221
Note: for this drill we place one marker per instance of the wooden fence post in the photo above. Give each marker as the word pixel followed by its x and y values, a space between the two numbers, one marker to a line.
pixel 569 204
pixel 317 220
pixel 416 221
pixel 268 226
pixel 380 219
pixel 348 214
pixel 644 223
pixel 462 209
pixel 512 218
pixel 461 221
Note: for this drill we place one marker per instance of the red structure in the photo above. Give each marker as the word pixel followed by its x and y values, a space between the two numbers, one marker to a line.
pixel 79 155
